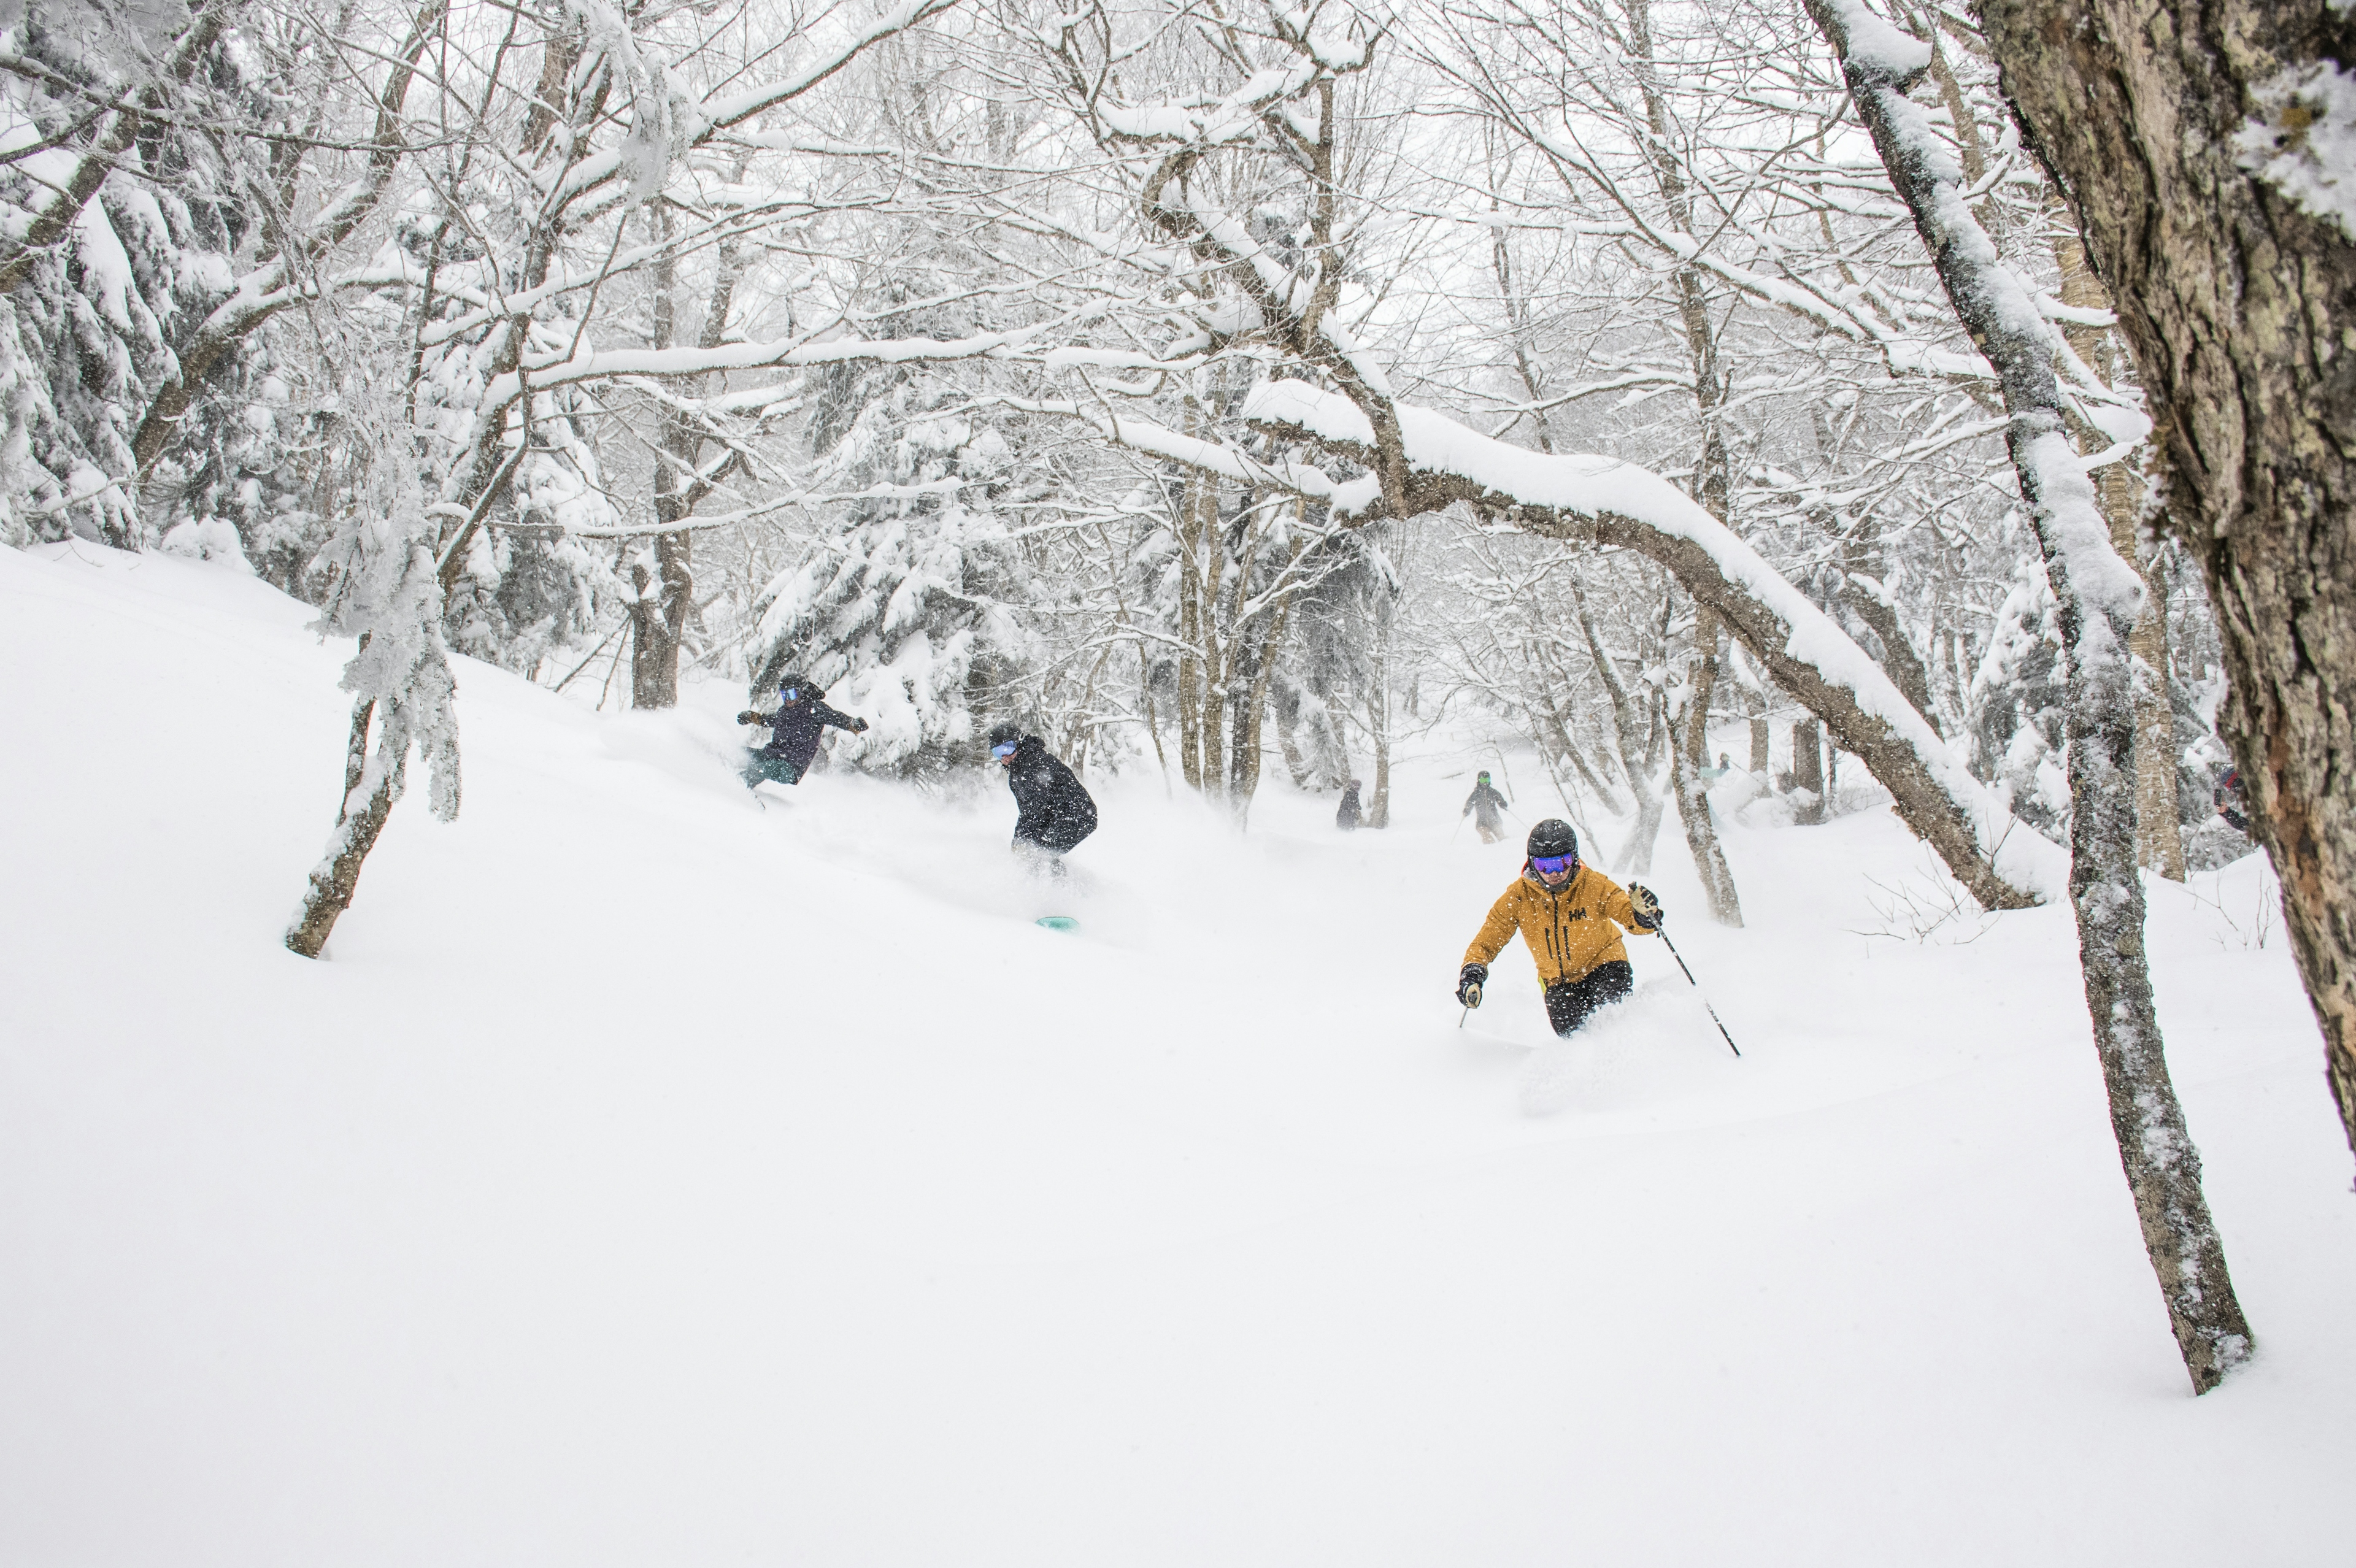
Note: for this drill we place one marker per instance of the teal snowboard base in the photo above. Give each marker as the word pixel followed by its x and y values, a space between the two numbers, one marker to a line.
pixel 1058 922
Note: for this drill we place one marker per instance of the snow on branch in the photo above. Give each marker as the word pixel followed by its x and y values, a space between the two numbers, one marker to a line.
pixel 1608 501
pixel 588 362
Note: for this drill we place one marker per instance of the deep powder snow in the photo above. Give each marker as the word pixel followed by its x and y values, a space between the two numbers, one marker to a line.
pixel 649 1177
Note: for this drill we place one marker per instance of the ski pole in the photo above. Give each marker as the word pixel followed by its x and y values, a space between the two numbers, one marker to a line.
pixel 1463 1016
pixel 1662 931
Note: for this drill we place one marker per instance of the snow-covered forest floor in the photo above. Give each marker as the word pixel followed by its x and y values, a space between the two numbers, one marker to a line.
pixel 649 1177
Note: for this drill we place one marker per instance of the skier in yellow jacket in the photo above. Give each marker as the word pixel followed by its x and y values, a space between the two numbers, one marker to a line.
pixel 1570 916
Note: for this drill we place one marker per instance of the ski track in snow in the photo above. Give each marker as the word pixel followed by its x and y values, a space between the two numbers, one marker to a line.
pixel 648 1176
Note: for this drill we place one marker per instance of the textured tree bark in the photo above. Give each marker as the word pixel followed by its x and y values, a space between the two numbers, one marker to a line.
pixel 337 878
pixel 2239 305
pixel 2098 599
pixel 1219 652
pixel 1190 627
pixel 659 614
pixel 1808 768
pixel 1686 761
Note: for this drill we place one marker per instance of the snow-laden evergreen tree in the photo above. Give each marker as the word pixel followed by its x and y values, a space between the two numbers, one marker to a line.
pixel 122 228
pixel 903 607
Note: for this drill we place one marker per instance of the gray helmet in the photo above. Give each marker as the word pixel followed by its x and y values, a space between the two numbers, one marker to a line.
pixel 1553 836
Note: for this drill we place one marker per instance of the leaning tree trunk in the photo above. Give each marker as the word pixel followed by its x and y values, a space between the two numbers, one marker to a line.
pixel 2098 598
pixel 368 801
pixel 2179 132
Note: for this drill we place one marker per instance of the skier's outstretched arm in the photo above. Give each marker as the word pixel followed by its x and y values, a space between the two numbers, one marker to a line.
pixel 840 719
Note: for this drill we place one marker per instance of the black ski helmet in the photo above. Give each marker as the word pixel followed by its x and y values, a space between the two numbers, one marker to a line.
pixel 1553 836
pixel 1004 734
pixel 800 689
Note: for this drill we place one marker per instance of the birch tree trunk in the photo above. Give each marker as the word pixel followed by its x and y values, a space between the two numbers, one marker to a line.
pixel 1693 799
pixel 2098 598
pixel 2179 131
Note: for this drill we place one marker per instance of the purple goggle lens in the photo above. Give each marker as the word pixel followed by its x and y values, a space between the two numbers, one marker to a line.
pixel 1553 865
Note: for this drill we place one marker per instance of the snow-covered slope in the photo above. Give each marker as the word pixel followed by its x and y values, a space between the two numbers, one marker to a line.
pixel 649 1178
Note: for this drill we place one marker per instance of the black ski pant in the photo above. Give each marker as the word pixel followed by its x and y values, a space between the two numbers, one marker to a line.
pixel 1570 1003
pixel 766 767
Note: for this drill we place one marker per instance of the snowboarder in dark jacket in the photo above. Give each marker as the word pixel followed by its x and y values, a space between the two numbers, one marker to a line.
pixel 1485 800
pixel 1347 817
pixel 1054 810
pixel 793 732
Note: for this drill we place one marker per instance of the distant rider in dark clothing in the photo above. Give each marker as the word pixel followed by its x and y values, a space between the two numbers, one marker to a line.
pixel 1346 816
pixel 1054 810
pixel 2231 805
pixel 1485 800
pixel 793 732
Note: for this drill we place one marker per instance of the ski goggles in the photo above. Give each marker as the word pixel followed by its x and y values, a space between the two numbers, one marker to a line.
pixel 1553 865
pixel 790 693
pixel 1003 750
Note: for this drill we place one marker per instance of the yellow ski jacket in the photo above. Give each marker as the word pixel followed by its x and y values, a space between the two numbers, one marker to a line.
pixel 1569 931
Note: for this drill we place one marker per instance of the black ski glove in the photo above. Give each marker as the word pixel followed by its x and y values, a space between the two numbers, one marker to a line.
pixel 1469 983
pixel 858 726
pixel 1647 907
pixel 749 717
